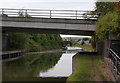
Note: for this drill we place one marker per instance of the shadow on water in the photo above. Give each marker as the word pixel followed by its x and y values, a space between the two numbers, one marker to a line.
pixel 29 66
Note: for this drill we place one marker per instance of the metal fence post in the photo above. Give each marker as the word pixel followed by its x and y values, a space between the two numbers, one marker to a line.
pixel 26 13
pixel 76 14
pixel 50 13
pixel 2 11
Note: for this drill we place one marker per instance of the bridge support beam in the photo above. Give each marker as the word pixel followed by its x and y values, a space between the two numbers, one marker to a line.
pixel 99 47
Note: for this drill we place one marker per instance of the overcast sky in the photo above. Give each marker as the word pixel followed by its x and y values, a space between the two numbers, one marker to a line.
pixel 49 4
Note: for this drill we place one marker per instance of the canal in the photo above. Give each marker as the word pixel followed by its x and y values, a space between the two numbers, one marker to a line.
pixel 53 64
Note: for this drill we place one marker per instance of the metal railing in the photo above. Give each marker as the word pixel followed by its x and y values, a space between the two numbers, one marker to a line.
pixel 70 14
pixel 115 60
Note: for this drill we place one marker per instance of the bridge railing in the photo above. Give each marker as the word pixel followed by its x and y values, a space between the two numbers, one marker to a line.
pixel 70 14
pixel 115 61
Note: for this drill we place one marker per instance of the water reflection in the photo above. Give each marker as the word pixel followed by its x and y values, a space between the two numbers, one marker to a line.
pixel 30 65
pixel 52 64
pixel 63 68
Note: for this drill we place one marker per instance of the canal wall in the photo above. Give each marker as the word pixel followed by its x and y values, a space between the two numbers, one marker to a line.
pixel 112 42
pixel 12 55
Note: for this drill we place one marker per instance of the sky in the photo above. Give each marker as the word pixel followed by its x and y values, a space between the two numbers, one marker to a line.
pixel 50 5
pixel 75 36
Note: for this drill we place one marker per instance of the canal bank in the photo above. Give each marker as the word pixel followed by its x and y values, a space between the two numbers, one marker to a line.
pixel 12 55
pixel 56 66
pixel 90 67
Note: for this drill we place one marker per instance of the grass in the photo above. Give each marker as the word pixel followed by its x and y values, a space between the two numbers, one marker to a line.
pixel 87 48
pixel 97 61
pixel 84 68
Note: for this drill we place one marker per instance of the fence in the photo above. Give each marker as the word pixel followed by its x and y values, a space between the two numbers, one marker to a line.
pixel 70 14
pixel 115 60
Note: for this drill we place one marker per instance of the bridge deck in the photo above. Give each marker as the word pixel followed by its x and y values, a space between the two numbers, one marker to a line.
pixel 57 22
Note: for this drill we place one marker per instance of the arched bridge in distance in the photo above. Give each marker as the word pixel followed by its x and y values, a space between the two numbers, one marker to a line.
pixel 48 21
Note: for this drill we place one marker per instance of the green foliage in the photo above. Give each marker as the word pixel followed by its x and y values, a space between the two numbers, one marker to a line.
pixel 19 40
pixel 93 41
pixel 103 7
pixel 34 42
pixel 33 46
pixel 107 24
pixel 118 33
pixel 86 48
pixel 85 39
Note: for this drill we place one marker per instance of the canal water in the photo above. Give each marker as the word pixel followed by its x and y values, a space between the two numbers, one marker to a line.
pixel 39 65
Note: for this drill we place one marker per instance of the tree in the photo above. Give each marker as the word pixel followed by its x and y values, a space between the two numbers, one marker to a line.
pixel 19 40
pixel 34 42
pixel 117 6
pixel 103 7
pixel 108 24
pixel 85 39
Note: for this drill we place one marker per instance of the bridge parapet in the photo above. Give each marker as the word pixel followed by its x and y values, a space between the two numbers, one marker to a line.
pixel 66 14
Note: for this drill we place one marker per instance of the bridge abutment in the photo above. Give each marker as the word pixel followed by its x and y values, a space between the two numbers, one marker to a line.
pixel 5 41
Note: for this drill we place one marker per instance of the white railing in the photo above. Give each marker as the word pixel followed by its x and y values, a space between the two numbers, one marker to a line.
pixel 67 14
